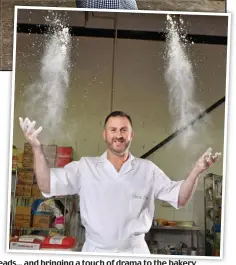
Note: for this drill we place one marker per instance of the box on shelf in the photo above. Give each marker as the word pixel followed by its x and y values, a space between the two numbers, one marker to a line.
pixel 49 151
pixel 22 221
pixel 23 190
pixel 23 216
pixel 64 151
pixel 59 242
pixel 25 176
pixel 19 159
pixel 51 162
pixel 14 163
pixel 23 210
pixel 62 161
pixel 28 149
pixel 19 165
pixel 14 157
pixel 26 242
pixel 19 190
pixel 28 161
pixel 27 190
pixel 42 221
pixel 36 191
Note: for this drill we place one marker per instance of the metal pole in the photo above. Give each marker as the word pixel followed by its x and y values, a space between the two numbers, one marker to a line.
pixel 113 63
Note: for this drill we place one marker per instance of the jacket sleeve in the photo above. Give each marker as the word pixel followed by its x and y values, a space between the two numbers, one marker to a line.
pixel 65 181
pixel 165 189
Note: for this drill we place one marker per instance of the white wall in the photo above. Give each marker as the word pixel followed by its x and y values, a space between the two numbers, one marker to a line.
pixel 139 89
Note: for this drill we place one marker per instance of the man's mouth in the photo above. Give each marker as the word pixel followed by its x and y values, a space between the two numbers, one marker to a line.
pixel 118 141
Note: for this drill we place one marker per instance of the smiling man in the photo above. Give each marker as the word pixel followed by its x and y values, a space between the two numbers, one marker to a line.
pixel 107 4
pixel 117 190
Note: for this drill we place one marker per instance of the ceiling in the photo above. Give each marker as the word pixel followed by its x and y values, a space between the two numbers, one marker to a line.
pixel 203 24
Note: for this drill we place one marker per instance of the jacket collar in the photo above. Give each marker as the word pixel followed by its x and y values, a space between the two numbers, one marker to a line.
pixel 103 158
pixel 128 165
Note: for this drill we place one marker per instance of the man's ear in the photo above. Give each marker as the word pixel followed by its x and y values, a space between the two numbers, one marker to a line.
pixel 132 134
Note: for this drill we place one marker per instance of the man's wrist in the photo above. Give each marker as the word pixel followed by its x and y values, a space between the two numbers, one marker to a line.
pixel 196 172
pixel 37 149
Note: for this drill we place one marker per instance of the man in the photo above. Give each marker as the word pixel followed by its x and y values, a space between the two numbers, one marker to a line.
pixel 107 4
pixel 117 190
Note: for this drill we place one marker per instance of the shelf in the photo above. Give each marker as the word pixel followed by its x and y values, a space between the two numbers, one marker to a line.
pixel 43 198
pixel 28 197
pixel 212 203
pixel 188 228
pixel 36 228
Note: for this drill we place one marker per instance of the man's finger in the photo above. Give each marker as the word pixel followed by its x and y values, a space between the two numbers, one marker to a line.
pixel 208 151
pixel 26 124
pixel 31 127
pixel 35 134
pixel 216 157
pixel 207 156
pixel 21 123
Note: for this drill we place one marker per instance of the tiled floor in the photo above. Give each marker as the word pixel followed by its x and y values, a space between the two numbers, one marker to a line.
pixel 7 10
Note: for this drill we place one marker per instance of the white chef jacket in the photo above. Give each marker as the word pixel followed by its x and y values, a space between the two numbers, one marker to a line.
pixel 116 208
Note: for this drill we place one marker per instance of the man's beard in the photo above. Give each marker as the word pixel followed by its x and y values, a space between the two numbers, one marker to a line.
pixel 117 151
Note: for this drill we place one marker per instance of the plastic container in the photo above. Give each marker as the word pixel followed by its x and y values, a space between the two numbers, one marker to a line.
pixel 59 242
pixel 217 228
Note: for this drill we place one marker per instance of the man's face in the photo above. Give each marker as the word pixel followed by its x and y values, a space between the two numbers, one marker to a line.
pixel 118 134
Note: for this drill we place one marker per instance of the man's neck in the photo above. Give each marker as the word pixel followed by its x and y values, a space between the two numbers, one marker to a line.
pixel 117 160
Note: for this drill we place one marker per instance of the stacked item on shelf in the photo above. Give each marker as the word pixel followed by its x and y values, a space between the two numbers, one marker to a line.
pixel 55 157
pixel 42 216
pixel 64 156
pixel 59 242
pixel 213 204
pixel 50 152
pixel 16 158
pixel 26 185
pixel 27 160
pixel 23 216
pixel 180 227
pixel 179 249
pixel 24 181
pixel 30 242
pixel 38 242
pixel 42 213
pixel 48 213
pixel 30 210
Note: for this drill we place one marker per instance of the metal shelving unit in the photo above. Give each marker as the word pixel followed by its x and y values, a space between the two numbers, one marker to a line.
pixel 27 201
pixel 193 229
pixel 212 203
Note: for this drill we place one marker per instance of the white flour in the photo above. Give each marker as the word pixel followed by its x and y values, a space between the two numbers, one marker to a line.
pixel 180 80
pixel 46 98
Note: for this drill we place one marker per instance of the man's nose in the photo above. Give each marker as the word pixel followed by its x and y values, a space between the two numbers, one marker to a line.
pixel 118 134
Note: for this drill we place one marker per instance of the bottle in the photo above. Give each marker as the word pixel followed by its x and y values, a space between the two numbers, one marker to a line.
pixel 193 251
pixel 183 249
